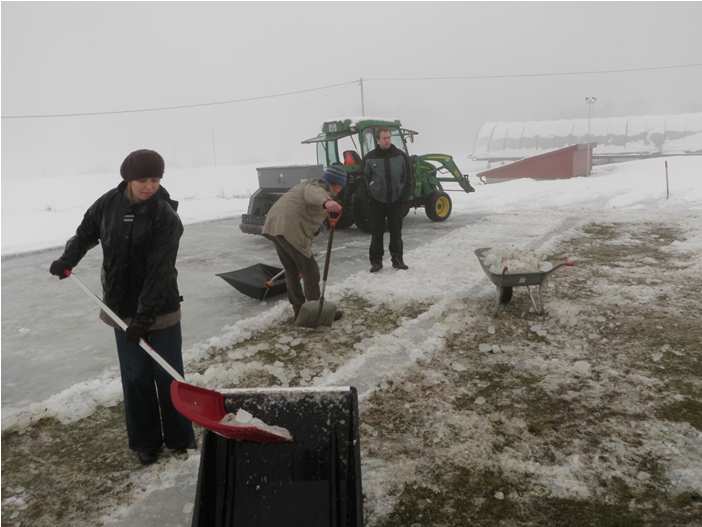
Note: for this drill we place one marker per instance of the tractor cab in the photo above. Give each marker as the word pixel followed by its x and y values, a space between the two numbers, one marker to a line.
pixel 348 141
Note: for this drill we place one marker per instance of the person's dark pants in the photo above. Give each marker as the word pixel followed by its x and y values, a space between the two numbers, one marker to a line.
pixel 147 393
pixel 379 214
pixel 297 265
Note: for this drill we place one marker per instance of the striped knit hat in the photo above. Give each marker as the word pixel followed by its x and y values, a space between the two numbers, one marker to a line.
pixel 335 175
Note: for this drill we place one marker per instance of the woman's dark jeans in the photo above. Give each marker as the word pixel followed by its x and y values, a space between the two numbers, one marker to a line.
pixel 151 418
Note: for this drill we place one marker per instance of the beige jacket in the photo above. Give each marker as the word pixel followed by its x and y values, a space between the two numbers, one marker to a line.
pixel 298 215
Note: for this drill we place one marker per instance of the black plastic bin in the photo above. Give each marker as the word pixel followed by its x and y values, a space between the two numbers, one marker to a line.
pixel 252 281
pixel 315 481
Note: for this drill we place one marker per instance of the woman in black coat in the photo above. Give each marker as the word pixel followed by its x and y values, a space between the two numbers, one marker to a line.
pixel 139 230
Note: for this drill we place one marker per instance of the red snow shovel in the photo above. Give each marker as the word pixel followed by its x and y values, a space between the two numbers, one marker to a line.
pixel 199 405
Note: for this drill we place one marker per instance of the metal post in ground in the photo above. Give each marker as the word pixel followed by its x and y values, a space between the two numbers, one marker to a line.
pixel 589 101
pixel 363 102
pixel 667 187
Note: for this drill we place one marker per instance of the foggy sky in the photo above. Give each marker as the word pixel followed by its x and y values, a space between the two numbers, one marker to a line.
pixel 89 57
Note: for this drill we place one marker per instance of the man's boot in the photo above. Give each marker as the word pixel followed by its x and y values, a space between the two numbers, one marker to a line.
pixel 398 263
pixel 147 456
pixel 376 266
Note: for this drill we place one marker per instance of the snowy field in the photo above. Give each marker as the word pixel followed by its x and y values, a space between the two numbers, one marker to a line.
pixel 588 415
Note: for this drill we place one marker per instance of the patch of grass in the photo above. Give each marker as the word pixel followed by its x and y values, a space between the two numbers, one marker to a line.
pixel 687 411
pixel 486 498
pixel 360 320
pixel 605 250
pixel 68 472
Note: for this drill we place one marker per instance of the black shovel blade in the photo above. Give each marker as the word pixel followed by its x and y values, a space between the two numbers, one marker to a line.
pixel 251 281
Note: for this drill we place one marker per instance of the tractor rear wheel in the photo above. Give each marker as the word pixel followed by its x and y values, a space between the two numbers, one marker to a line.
pixel 438 206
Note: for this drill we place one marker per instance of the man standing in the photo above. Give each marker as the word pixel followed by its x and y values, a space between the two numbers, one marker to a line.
pixel 293 222
pixel 388 172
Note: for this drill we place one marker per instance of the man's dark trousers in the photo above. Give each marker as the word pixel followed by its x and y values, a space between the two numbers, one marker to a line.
pixel 297 266
pixel 147 391
pixel 379 213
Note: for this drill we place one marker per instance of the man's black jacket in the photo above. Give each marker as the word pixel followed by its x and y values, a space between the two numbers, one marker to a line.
pixel 139 244
pixel 388 174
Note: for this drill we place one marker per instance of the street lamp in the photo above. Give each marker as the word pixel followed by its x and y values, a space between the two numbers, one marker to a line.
pixel 589 101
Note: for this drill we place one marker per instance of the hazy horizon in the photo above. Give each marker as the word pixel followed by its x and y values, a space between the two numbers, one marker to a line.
pixel 93 57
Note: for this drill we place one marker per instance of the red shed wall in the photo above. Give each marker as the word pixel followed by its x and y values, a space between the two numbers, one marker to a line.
pixel 568 162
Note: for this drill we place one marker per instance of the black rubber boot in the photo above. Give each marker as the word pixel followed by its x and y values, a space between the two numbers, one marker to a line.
pixel 147 456
pixel 376 266
pixel 397 263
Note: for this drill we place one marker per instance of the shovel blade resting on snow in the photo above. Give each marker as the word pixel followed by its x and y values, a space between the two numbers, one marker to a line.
pixel 310 315
pixel 258 281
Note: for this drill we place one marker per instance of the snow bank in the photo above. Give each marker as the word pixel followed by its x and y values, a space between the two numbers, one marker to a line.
pixel 529 214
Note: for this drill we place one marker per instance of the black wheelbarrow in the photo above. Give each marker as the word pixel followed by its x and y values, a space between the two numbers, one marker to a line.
pixel 259 281
pixel 506 281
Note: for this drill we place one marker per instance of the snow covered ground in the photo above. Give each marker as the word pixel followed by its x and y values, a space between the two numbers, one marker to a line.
pixel 591 411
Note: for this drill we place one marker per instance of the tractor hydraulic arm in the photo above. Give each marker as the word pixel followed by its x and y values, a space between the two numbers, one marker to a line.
pixel 447 163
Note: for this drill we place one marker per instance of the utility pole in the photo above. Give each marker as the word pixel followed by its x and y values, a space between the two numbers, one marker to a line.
pixel 589 101
pixel 363 103
pixel 214 150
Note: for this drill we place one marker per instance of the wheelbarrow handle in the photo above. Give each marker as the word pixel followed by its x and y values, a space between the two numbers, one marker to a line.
pixel 568 263
pixel 144 345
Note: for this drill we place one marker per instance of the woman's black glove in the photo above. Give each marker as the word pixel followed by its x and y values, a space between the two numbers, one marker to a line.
pixel 60 269
pixel 138 328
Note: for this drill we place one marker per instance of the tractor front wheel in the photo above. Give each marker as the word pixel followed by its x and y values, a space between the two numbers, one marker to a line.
pixel 438 206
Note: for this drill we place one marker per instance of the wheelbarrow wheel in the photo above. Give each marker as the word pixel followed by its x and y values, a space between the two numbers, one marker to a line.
pixel 505 295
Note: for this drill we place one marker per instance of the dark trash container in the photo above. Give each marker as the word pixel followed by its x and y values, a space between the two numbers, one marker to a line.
pixel 315 481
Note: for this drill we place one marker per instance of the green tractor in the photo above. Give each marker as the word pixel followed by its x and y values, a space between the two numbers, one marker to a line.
pixel 347 142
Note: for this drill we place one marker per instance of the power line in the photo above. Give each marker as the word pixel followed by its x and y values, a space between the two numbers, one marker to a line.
pixel 349 83
pixel 541 74
pixel 178 107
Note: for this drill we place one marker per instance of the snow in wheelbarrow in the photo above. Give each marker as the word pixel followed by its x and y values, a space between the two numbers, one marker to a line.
pixel 506 280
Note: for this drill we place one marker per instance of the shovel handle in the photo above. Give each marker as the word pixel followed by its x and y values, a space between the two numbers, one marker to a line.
pixel 327 259
pixel 144 345
pixel 269 283
pixel 333 218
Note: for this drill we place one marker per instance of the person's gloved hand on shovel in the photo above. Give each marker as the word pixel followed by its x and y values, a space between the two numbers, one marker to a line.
pixel 138 328
pixel 333 208
pixel 60 269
